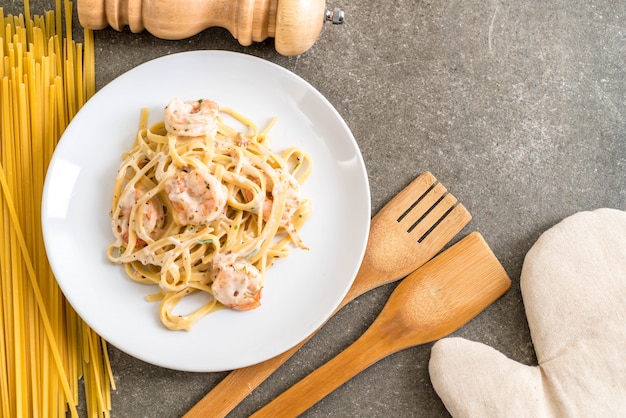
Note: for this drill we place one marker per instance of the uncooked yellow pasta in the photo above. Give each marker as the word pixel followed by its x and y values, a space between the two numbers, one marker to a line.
pixel 46 350
pixel 202 203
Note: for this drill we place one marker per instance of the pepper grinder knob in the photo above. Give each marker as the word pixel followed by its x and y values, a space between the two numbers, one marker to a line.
pixel 295 25
pixel 336 16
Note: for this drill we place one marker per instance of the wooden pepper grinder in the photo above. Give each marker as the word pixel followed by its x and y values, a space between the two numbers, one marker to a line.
pixel 295 24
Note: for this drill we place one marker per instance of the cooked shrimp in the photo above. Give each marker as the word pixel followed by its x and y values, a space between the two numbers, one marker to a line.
pixel 293 199
pixel 237 284
pixel 293 202
pixel 192 118
pixel 197 197
pixel 291 188
pixel 152 213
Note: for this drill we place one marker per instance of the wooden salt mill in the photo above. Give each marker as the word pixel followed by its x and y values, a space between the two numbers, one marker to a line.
pixel 294 24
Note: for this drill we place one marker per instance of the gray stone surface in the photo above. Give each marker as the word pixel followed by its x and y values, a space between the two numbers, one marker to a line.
pixel 519 108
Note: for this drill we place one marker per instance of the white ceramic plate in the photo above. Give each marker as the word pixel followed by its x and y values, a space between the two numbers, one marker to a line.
pixel 301 291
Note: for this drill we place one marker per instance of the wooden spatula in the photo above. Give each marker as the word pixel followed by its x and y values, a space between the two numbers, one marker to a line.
pixel 432 302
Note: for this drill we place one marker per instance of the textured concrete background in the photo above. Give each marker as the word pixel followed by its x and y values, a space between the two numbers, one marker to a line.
pixel 517 107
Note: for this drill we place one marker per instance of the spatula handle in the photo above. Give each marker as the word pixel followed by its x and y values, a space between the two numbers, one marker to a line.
pixel 233 389
pixel 364 352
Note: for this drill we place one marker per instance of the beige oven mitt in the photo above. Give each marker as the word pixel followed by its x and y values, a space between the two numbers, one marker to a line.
pixel 573 283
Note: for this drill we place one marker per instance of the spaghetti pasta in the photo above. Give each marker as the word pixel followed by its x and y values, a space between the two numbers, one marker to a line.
pixel 202 204
pixel 45 348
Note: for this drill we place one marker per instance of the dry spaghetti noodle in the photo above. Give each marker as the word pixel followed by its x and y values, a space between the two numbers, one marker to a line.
pixel 45 348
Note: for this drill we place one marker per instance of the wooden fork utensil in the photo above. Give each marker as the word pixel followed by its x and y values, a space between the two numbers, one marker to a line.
pixel 407 232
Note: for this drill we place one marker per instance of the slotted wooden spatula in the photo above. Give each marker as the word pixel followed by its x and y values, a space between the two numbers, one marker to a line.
pixel 411 229
pixel 430 303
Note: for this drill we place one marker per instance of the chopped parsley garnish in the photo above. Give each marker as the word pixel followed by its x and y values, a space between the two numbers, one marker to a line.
pixel 252 254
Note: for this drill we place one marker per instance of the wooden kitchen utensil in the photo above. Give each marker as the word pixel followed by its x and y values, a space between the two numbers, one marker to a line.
pixel 430 303
pixel 407 232
pixel 295 24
